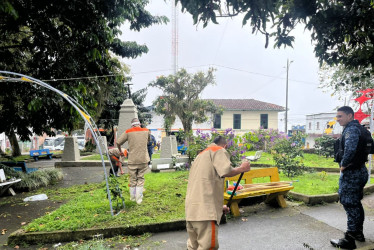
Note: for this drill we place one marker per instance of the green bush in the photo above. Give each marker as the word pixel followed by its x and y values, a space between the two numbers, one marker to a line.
pixel 288 154
pixel 89 147
pixel 34 180
pixel 325 146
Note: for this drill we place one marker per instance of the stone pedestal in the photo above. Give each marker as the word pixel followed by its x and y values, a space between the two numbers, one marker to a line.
pixel 126 114
pixel 174 146
pixel 71 151
pixel 168 146
pixel 103 145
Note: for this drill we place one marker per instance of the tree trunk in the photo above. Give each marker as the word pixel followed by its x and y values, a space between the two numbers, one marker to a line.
pixel 187 126
pixel 14 143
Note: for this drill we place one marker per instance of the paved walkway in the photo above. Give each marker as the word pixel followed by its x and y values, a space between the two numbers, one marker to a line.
pixel 263 227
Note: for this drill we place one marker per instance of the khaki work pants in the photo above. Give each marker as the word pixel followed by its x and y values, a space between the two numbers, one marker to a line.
pixel 202 235
pixel 136 172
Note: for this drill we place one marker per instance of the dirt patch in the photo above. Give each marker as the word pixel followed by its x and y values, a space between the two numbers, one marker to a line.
pixel 14 213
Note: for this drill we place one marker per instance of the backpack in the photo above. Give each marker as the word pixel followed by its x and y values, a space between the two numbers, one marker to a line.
pixel 364 148
pixel 368 143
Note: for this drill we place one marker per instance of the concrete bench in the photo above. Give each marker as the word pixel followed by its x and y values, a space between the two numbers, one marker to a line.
pixel 275 190
pixel 6 186
pixel 40 152
pixel 255 157
pixel 166 163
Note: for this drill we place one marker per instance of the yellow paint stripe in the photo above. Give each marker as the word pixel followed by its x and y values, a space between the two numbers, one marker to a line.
pixel 85 116
pixel 25 79
pixel 2 77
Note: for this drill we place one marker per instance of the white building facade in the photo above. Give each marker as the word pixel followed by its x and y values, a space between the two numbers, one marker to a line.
pixel 242 115
pixel 318 125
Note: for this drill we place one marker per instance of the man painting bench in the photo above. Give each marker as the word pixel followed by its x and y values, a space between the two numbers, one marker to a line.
pixel 275 190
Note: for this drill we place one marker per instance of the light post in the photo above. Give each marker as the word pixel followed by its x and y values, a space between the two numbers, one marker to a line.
pixel 286 116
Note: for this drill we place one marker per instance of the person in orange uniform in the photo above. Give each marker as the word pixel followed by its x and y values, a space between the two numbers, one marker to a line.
pixel 116 159
pixel 138 157
pixel 204 198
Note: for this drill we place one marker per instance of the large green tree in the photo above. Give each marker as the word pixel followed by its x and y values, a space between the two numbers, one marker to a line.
pixel 181 97
pixel 340 80
pixel 342 30
pixel 61 40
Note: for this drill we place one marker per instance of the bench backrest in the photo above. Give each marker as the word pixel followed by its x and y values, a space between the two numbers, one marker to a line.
pixel 39 152
pixel 256 173
pixel 258 154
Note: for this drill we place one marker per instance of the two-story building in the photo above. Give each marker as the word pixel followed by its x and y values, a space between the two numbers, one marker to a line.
pixel 242 115
pixel 321 124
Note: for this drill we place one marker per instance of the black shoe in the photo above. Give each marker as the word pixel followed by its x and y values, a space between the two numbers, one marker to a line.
pixel 345 243
pixel 357 235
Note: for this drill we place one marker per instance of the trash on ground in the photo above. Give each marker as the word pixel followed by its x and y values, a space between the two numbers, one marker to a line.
pixel 39 197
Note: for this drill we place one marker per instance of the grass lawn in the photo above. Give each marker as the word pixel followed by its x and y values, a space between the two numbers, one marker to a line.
pixel 310 160
pixel 88 207
pixel 27 157
pixel 94 157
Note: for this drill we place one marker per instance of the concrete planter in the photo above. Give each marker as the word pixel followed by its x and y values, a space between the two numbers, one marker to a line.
pixel 34 238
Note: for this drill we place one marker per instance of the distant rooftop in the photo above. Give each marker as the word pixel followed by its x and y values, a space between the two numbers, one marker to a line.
pixel 246 104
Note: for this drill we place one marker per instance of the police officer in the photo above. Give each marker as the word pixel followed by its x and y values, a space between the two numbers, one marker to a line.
pixel 353 177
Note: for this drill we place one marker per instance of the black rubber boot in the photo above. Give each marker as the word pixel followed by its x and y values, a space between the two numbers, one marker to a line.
pixel 345 243
pixel 357 235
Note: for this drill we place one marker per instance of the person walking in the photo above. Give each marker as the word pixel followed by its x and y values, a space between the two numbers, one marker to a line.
pixel 204 199
pixel 151 145
pixel 353 177
pixel 138 157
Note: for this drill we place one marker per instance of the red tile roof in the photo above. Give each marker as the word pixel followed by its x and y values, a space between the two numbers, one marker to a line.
pixel 246 104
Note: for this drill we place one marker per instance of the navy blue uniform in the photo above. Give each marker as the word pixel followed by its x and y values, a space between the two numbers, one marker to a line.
pixel 353 178
pixel 151 145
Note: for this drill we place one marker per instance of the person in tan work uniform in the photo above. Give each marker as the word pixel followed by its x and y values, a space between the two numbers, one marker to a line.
pixel 116 159
pixel 204 198
pixel 138 157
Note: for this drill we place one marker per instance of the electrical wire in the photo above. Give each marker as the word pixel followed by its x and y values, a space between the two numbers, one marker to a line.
pixel 197 66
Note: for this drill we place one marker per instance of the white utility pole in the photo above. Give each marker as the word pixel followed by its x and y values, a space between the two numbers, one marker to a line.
pixel 174 36
pixel 286 115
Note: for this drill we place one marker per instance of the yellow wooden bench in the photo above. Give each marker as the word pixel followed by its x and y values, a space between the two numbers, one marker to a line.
pixel 274 194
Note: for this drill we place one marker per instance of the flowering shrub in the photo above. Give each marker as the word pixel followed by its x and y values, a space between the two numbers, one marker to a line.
pixel 236 146
pixel 288 154
pixel 263 139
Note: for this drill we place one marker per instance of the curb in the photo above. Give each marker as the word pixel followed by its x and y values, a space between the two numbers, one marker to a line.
pixel 325 198
pixel 82 163
pixel 329 170
pixel 35 238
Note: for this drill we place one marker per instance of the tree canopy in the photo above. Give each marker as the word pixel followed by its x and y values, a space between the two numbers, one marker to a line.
pixel 58 40
pixel 342 30
pixel 181 97
pixel 340 81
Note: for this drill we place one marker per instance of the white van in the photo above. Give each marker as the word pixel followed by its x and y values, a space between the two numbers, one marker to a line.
pixel 52 142
pixel 81 142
